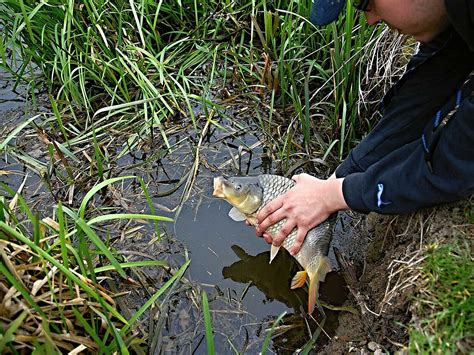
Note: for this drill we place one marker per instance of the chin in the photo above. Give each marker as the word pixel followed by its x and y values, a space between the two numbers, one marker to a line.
pixel 423 39
pixel 427 35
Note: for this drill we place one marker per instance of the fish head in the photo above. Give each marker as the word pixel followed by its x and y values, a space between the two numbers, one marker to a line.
pixel 243 192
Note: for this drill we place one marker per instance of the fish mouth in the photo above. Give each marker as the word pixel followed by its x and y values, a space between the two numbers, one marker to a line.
pixel 218 187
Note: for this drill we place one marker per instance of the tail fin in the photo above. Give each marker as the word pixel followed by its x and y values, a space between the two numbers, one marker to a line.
pixel 317 273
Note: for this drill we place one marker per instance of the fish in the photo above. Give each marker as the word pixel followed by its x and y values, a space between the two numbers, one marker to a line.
pixel 249 194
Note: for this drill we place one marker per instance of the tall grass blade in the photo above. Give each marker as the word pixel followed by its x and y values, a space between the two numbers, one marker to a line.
pixel 109 217
pixel 95 189
pixel 8 336
pixel 100 245
pixel 152 299
pixel 266 342
pixel 208 325
pixel 17 130
pixel 131 264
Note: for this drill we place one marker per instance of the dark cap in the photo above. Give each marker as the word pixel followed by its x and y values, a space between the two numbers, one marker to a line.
pixel 325 11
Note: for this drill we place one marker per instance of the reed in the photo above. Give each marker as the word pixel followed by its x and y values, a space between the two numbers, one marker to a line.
pixel 116 65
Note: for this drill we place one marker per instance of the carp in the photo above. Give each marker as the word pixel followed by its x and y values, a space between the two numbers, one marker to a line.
pixel 249 194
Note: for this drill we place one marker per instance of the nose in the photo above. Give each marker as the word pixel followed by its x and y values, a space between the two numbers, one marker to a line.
pixel 372 17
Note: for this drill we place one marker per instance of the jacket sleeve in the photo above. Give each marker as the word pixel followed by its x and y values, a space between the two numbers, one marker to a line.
pixel 402 182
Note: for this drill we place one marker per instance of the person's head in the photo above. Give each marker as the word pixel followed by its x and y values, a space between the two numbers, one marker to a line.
pixel 423 19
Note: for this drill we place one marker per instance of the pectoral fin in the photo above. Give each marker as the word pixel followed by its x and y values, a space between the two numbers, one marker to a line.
pixel 298 279
pixel 273 252
pixel 236 215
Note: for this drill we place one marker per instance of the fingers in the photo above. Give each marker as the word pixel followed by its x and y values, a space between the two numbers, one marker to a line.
pixel 271 219
pixel 268 238
pixel 300 235
pixel 269 208
pixel 284 232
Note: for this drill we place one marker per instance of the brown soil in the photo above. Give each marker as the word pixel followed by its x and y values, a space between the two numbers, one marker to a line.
pixel 389 278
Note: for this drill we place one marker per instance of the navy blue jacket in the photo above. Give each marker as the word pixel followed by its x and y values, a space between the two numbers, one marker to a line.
pixel 421 153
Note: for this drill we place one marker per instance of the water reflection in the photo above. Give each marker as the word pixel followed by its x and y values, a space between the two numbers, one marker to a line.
pixel 272 279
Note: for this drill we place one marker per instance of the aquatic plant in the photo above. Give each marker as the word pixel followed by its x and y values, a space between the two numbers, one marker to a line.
pixel 122 64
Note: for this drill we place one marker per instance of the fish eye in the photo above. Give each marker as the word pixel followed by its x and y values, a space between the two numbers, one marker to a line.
pixel 238 187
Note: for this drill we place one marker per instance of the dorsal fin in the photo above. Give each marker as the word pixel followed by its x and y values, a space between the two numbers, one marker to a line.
pixel 241 254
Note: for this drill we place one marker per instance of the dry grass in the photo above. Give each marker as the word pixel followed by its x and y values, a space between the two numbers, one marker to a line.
pixel 433 280
pixel 386 63
pixel 56 274
pixel 61 306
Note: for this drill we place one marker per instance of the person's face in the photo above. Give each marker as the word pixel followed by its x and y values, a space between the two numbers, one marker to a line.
pixel 423 19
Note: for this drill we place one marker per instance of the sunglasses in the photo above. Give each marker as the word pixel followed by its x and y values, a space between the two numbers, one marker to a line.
pixel 361 5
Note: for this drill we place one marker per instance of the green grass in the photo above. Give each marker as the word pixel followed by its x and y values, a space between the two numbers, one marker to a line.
pixel 130 66
pixel 446 305
pixel 54 268
pixel 208 324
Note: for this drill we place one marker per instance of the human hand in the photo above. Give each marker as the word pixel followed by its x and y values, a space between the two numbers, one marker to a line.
pixel 307 204
pixel 265 235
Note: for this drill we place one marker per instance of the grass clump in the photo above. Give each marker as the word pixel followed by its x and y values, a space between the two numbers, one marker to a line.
pixel 469 214
pixel 55 275
pixel 132 66
pixel 445 308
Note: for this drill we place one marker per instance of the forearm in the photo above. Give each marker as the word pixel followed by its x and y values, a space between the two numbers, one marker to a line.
pixel 402 181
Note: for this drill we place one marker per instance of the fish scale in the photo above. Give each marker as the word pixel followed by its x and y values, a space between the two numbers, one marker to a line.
pixel 274 186
pixel 317 239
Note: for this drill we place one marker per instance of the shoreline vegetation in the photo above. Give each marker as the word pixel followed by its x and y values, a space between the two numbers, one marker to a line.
pixel 122 76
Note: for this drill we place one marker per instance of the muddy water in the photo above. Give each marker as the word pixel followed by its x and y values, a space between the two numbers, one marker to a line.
pixel 10 101
pixel 14 109
pixel 226 255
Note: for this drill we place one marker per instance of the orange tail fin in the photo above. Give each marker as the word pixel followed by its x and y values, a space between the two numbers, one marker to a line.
pixel 317 273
